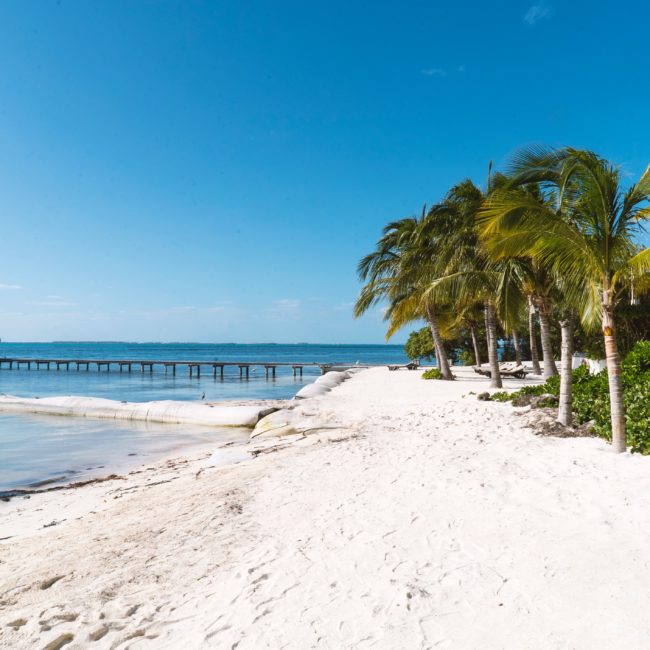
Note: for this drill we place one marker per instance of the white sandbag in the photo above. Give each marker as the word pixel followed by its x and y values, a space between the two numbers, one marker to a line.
pixel 167 411
pixel 332 378
pixel 312 390
pixel 280 423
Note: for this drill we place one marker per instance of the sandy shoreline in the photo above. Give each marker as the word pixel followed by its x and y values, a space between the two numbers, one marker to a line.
pixel 214 435
pixel 420 517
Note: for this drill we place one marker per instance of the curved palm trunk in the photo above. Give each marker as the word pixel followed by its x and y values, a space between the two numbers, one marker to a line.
pixel 515 340
pixel 477 354
pixel 493 353
pixel 534 354
pixel 550 369
pixel 441 355
pixel 565 412
pixel 614 373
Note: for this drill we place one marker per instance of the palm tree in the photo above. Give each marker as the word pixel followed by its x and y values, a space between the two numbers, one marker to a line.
pixel 398 271
pixel 534 354
pixel 540 287
pixel 517 345
pixel 565 410
pixel 469 316
pixel 585 233
pixel 472 276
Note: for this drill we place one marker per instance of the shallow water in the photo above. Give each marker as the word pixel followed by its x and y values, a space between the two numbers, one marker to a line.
pixel 57 449
pixel 36 448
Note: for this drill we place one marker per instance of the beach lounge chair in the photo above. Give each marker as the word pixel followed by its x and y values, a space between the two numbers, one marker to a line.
pixel 517 371
pixel 508 369
pixel 411 365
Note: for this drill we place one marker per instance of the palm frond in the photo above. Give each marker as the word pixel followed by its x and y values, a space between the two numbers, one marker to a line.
pixel 635 269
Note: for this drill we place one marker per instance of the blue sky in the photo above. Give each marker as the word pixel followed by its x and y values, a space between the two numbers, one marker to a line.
pixel 212 171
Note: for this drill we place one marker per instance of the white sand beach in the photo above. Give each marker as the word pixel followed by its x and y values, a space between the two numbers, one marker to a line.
pixel 418 517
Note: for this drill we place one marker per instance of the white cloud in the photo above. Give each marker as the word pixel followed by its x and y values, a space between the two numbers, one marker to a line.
pixel 434 72
pixel 287 303
pixel 9 287
pixel 53 303
pixel 536 13
pixel 284 309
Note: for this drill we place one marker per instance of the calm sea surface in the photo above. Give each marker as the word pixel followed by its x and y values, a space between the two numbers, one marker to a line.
pixel 144 387
pixel 35 448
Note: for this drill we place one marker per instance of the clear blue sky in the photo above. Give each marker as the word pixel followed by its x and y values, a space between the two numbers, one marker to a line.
pixel 212 171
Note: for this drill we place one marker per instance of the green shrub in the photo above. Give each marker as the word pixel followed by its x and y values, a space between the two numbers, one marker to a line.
pixel 591 397
pixel 638 358
pixel 500 396
pixel 465 358
pixel 432 373
pixel 636 386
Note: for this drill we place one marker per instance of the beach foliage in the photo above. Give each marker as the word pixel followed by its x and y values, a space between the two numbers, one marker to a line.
pixel 465 358
pixel 419 345
pixel 458 341
pixel 432 373
pixel 398 273
pixel 569 212
pixel 501 396
pixel 552 241
pixel 591 397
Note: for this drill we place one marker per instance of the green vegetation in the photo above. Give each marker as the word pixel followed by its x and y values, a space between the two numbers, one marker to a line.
pixel 419 345
pixel 551 244
pixel 591 397
pixel 501 396
pixel 432 373
pixel 465 358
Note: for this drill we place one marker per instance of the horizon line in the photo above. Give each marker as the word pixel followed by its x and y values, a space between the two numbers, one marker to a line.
pixel 89 341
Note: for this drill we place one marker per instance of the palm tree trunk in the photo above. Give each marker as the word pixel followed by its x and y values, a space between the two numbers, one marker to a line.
pixel 550 369
pixel 441 355
pixel 477 354
pixel 493 353
pixel 614 372
pixel 565 411
pixel 534 354
pixel 515 340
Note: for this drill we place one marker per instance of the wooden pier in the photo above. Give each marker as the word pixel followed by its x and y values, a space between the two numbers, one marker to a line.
pixel 147 365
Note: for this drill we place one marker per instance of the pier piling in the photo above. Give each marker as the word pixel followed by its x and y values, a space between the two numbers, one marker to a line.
pixel 194 367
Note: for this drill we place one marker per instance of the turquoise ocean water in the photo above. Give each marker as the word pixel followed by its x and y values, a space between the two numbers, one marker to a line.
pixel 33 449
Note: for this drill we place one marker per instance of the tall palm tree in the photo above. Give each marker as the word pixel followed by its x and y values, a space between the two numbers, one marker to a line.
pixel 540 286
pixel 532 334
pixel 469 316
pixel 398 272
pixel 471 275
pixel 587 237
pixel 565 410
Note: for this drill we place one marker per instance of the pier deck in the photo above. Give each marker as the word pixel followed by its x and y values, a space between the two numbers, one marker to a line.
pixel 147 365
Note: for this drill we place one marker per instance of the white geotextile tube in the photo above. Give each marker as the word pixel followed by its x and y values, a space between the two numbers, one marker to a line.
pixel 167 411
pixel 332 378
